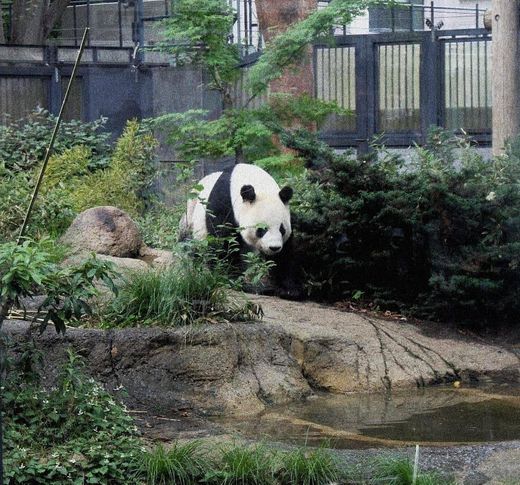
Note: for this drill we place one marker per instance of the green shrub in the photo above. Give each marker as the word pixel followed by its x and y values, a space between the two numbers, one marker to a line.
pixel 308 467
pixel 30 269
pixel 438 236
pixel 399 471
pixel 185 293
pixel 23 143
pixel 159 226
pixel 243 465
pixel 73 434
pixel 125 182
pixel 182 464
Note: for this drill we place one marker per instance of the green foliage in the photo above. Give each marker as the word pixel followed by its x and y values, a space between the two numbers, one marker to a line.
pixel 243 465
pixel 52 213
pixel 125 182
pixel 188 292
pixel 23 143
pixel 308 467
pixel 198 33
pixel 30 269
pixel 75 433
pixel 438 236
pixel 399 471
pixel 159 226
pixel 75 181
pixel 182 464
pixel 289 47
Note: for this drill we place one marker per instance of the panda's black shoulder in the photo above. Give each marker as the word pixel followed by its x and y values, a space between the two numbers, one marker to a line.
pixel 219 209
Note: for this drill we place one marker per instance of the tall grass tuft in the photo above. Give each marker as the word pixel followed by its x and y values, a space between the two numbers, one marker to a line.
pixel 308 467
pixel 242 465
pixel 187 292
pixel 181 464
pixel 399 471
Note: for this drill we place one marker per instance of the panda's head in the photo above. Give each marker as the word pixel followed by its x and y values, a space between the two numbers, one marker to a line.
pixel 265 219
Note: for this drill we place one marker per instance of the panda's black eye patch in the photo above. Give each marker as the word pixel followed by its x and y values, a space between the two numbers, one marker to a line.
pixel 260 232
pixel 282 229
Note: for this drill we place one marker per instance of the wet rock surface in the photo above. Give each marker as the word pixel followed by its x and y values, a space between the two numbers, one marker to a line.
pixel 298 348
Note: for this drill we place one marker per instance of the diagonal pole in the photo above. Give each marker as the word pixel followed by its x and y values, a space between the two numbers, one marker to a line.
pixel 48 153
pixel 5 308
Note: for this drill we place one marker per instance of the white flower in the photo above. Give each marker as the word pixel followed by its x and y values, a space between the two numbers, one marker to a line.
pixel 491 196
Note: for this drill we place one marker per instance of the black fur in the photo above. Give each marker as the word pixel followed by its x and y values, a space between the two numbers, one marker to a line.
pixel 219 209
pixel 286 194
pixel 248 193
pixel 285 273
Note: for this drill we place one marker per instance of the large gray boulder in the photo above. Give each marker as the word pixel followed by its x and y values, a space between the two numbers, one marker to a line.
pixel 104 230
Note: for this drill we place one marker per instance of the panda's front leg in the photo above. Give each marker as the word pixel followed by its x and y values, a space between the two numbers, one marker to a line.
pixel 286 275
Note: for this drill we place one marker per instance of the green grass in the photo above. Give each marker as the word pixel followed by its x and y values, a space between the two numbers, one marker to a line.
pixel 308 467
pixel 182 464
pixel 399 471
pixel 243 465
pixel 188 292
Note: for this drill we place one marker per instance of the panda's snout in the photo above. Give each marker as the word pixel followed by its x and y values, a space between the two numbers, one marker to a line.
pixel 275 249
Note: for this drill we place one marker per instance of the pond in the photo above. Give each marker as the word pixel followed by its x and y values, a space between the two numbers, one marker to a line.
pixel 432 416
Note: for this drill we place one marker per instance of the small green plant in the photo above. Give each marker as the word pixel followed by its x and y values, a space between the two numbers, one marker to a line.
pixel 75 433
pixel 399 471
pixel 185 293
pixel 243 465
pixel 182 464
pixel 30 269
pixel 308 467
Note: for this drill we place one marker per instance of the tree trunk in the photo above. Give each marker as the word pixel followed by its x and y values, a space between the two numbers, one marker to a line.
pixel 274 16
pixel 33 20
pixel 505 72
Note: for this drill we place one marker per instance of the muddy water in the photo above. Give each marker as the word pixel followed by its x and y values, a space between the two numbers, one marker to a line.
pixel 435 416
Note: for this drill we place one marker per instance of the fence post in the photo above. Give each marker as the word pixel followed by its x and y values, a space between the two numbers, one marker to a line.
pixel 366 102
pixel 138 32
pixel 430 79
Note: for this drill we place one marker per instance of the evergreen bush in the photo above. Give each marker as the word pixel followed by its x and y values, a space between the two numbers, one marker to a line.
pixel 438 236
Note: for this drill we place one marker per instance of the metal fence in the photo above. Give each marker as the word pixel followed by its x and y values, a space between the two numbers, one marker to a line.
pixel 399 84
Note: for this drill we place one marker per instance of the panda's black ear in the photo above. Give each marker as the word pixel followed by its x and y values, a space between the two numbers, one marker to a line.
pixel 248 193
pixel 286 194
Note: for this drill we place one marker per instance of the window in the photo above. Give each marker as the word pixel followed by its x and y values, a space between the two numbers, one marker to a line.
pixel 390 19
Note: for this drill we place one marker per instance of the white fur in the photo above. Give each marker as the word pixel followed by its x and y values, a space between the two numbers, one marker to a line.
pixel 266 210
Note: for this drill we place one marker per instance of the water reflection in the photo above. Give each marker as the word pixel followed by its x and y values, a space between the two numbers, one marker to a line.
pixel 432 416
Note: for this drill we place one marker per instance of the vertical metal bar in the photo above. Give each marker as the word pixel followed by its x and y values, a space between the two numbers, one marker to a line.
pixel 246 26
pixel 250 6
pixel 336 97
pixel 392 17
pixel 464 91
pixel 432 14
pixel 385 79
pixel 450 96
pixel 343 50
pixel 406 107
pixel 75 24
pixel 476 15
pixel 471 78
pixel 399 78
pixel 329 84
pixel 88 22
pixel 167 7
pixel 120 21
pixel 479 100
pixel 411 17
pixel 239 33
pixel 486 86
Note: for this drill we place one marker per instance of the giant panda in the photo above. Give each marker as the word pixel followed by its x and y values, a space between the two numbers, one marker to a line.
pixel 248 200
